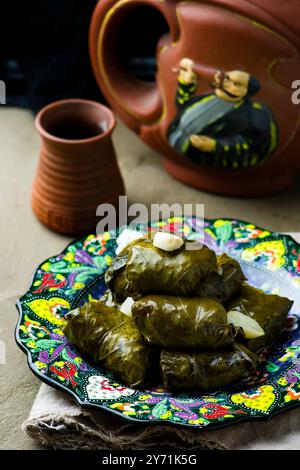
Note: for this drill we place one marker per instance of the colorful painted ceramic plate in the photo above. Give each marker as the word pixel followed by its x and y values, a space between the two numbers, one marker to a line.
pixel 270 261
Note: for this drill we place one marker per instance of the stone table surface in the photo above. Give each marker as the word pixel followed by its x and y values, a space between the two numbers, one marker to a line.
pixel 25 242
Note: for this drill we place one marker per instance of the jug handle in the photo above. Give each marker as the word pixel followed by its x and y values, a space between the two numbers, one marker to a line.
pixel 136 101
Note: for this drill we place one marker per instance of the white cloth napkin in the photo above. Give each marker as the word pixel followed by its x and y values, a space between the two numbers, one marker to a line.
pixel 57 421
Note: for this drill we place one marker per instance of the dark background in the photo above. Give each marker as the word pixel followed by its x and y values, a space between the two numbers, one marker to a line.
pixel 44 49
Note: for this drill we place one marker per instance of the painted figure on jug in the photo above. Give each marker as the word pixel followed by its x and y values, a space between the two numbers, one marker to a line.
pixel 226 128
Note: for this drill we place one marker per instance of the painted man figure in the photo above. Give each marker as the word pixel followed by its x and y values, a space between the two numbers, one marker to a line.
pixel 224 129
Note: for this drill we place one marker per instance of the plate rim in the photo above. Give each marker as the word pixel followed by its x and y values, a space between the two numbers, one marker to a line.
pixel 155 422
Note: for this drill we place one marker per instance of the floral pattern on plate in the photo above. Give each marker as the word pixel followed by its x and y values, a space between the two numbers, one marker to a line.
pixel 270 261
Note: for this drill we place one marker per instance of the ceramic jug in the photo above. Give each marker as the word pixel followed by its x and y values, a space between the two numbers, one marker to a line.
pixel 77 168
pixel 221 110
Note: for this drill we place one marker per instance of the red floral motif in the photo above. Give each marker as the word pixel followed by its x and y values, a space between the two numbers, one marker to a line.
pixel 215 411
pixel 49 281
pixel 66 372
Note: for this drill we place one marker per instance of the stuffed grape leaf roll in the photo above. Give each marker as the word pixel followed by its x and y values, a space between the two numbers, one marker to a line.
pixel 182 322
pixel 207 371
pixel 142 268
pixel 269 310
pixel 111 338
pixel 224 283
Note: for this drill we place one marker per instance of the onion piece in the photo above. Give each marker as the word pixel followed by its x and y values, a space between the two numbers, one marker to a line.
pixel 251 328
pixel 126 306
pixel 108 299
pixel 167 241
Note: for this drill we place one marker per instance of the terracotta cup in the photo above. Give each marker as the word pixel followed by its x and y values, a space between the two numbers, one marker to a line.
pixel 77 168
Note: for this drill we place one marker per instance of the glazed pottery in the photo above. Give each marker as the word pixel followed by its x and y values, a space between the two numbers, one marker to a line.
pixel 68 280
pixel 77 168
pixel 220 111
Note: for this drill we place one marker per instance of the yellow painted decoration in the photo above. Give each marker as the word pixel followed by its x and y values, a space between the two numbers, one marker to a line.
pixel 210 232
pixel 282 381
pixel 59 363
pixel 287 356
pixel 185 146
pixel 46 266
pixel 78 285
pixel 58 331
pixel 261 401
pixel 108 259
pixel 196 421
pixel 46 309
pixel 273 131
pixel 70 256
pixel 40 365
pixel 220 223
pixel 273 251
pixel 32 322
pixel 144 397
pixel 254 159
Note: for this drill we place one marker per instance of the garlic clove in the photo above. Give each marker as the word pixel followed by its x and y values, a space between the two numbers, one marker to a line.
pixel 167 241
pixel 220 270
pixel 251 328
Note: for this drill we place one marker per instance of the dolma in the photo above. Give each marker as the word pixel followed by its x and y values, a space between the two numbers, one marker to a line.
pixel 183 322
pixel 116 279
pixel 207 371
pixel 269 310
pixel 222 285
pixel 141 268
pixel 111 338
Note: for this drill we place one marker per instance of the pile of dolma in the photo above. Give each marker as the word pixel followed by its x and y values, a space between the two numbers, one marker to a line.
pixel 181 301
